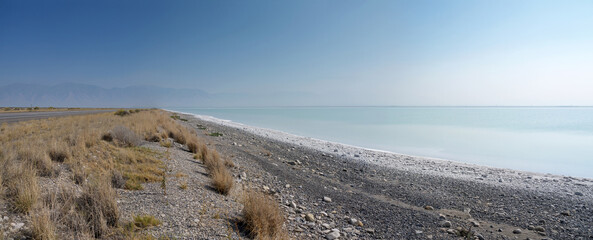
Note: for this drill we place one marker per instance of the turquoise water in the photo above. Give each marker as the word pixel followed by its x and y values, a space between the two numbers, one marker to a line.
pixel 556 140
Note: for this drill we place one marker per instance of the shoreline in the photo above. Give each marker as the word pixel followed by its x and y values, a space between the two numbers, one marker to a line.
pixel 421 165
pixel 397 196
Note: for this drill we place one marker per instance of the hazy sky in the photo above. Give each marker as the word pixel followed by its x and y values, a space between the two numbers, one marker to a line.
pixel 348 52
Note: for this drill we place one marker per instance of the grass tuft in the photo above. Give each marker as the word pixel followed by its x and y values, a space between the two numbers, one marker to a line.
pixel 42 227
pixel 125 137
pixel 22 189
pixel 99 207
pixel 221 179
pixel 262 216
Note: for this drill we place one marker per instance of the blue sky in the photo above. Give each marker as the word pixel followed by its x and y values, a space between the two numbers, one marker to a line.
pixel 344 52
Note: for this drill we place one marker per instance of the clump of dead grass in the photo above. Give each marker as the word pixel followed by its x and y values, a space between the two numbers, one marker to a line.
pixel 262 216
pixel 42 227
pixel 99 207
pixel 221 179
pixel 22 189
pixel 58 152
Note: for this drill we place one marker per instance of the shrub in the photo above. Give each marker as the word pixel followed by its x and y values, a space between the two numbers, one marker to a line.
pixel 42 227
pixel 125 137
pixel 117 180
pixel 262 216
pixel 166 143
pixel 99 207
pixel 216 134
pixel 221 179
pixel 121 112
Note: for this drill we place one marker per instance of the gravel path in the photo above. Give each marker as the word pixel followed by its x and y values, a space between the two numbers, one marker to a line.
pixel 396 196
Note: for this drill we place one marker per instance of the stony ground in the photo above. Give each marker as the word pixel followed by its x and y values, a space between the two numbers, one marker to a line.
pixel 328 195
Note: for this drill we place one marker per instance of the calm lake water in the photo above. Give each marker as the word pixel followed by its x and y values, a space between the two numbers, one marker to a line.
pixel 556 140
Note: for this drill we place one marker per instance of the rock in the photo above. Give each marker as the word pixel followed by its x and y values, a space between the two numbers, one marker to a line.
pixel 578 193
pixel 418 232
pixel 565 213
pixel 530 227
pixel 370 230
pixel 442 217
pixel 323 214
pixel 243 175
pixel 287 186
pixel 517 231
pixel 539 229
pixel 327 199
pixel 480 237
pixel 291 163
pixel 452 231
pixel 17 226
pixel 309 217
pixel 352 221
pixel 360 224
pixel 475 223
pixel 266 188
pixel 446 224
pixel 428 207
pixel 325 225
pixel 333 235
pixel 293 205
pixel 356 155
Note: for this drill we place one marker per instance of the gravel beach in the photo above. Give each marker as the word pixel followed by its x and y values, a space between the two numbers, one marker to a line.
pixel 331 190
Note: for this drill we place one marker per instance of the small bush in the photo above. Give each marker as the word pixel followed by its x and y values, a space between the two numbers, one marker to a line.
pixel 262 216
pixel 221 179
pixel 229 163
pixel 42 227
pixel 45 167
pixel 107 137
pixel 121 112
pixel 117 180
pixel 99 207
pixel 125 137
pixel 216 134
pixel 183 185
pixel 145 221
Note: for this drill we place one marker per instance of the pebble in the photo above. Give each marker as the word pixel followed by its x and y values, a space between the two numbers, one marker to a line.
pixel 539 229
pixel 327 199
pixel 309 217
pixel 442 217
pixel 517 231
pixel 565 213
pixel 17 226
pixel 287 186
pixel 578 193
pixel 333 235
pixel 352 221
pixel 446 224
pixel 370 230
pixel 475 223
pixel 428 207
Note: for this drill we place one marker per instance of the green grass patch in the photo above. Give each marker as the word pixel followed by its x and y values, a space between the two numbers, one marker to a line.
pixel 215 134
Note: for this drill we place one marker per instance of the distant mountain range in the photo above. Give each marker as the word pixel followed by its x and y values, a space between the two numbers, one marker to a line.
pixel 84 95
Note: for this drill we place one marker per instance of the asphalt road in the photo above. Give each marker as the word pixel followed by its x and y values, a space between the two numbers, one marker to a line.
pixel 25 116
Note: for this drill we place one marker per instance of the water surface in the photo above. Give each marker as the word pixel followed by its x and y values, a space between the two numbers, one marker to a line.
pixel 556 140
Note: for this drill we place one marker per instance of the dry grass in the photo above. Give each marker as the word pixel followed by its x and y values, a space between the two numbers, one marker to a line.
pixel 262 216
pixel 99 207
pixel 22 189
pixel 42 227
pixel 98 151
pixel 145 221
pixel 222 180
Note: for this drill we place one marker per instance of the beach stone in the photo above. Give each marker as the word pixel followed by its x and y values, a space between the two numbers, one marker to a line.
pixel 352 221
pixel 446 224
pixel 442 217
pixel 539 229
pixel 360 224
pixel 17 226
pixel 323 214
pixel 428 207
pixel 578 193
pixel 370 230
pixel 287 186
pixel 243 175
pixel 565 213
pixel 475 223
pixel 452 231
pixel 517 231
pixel 325 225
pixel 309 217
pixel 327 199
pixel 333 235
